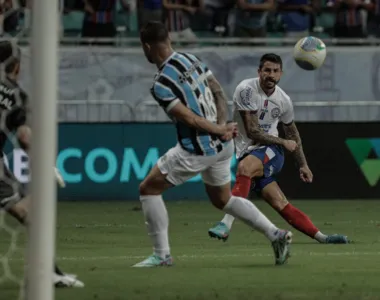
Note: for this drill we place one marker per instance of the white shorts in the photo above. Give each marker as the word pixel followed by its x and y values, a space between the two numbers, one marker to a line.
pixel 180 166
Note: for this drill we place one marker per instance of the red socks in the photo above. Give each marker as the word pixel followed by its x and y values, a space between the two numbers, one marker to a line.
pixel 299 220
pixel 242 186
pixel 291 214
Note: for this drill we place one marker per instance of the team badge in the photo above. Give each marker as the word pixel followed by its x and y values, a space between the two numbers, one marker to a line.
pixel 275 112
pixel 246 94
pixel 182 79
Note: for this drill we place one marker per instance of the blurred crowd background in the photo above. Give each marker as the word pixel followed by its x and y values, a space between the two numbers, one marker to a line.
pixel 191 19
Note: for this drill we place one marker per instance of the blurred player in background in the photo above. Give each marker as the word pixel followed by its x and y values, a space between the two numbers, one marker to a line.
pixel 195 101
pixel 14 117
pixel 259 106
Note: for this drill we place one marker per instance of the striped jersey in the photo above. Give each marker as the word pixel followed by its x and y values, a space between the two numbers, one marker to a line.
pixel 183 78
pixel 270 110
pixel 14 109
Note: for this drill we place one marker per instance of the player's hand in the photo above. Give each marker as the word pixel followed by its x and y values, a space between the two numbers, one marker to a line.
pixel 231 131
pixel 290 145
pixel 306 174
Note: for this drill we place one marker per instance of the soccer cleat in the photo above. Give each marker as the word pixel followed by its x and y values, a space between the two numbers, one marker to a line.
pixel 220 231
pixel 337 239
pixel 64 281
pixel 281 246
pixel 155 261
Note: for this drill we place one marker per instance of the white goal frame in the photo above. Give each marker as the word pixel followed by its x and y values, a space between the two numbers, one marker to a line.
pixel 44 63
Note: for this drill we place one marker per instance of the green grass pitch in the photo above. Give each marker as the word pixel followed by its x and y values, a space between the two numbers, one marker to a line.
pixel 100 241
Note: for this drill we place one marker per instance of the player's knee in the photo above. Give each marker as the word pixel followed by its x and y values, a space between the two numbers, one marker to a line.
pixel 279 203
pixel 250 170
pixel 148 188
pixel 242 170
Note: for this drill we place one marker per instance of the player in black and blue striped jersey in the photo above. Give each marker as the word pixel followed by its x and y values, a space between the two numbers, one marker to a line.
pixel 195 101
pixel 184 78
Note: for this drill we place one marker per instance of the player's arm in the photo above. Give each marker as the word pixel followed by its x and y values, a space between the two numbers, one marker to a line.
pixel 219 97
pixel 24 136
pixel 175 109
pixel 246 103
pixel 20 119
pixel 182 114
pixel 292 133
pixel 255 133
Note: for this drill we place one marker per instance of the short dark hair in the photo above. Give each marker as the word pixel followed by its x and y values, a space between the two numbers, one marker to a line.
pixel 274 58
pixel 153 32
pixel 10 56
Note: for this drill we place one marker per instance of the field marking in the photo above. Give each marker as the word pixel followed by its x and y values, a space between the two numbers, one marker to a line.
pixel 125 225
pixel 203 256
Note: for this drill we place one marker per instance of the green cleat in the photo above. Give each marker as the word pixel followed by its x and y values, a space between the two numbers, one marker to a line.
pixel 220 231
pixel 337 239
pixel 281 247
pixel 155 261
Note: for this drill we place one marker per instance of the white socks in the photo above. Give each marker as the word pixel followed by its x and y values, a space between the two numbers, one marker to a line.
pixel 157 221
pixel 228 220
pixel 247 212
pixel 320 237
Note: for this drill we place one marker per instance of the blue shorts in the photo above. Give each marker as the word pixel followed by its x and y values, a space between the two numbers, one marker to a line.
pixel 273 159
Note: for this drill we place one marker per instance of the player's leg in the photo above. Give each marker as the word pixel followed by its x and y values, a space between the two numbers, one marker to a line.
pixel 272 193
pixel 18 208
pixel 217 179
pixel 16 204
pixel 172 169
pixel 250 166
pixel 156 218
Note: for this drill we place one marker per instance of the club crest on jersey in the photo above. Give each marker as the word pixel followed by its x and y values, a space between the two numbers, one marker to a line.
pixel 275 112
pixel 182 79
pixel 246 94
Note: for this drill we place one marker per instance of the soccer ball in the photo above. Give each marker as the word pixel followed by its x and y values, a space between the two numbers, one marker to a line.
pixel 309 53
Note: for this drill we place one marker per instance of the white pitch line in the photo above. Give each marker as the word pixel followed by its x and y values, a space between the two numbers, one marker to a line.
pixel 203 256
pixel 185 257
pixel 125 225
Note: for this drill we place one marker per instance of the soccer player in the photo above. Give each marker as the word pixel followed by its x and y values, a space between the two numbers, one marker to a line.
pixel 14 117
pixel 186 89
pixel 260 104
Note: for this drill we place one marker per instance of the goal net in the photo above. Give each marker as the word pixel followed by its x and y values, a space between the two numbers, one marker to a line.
pixel 27 254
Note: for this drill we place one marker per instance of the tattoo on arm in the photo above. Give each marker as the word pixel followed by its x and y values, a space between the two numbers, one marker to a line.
pixel 291 133
pixel 255 133
pixel 220 99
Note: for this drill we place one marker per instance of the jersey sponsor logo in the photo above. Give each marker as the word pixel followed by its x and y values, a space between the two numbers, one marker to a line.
pixel 264 110
pixel 265 127
pixel 246 95
pixel 275 112
pixel 192 69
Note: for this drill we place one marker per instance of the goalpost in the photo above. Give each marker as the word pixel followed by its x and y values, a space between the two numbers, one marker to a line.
pixel 44 63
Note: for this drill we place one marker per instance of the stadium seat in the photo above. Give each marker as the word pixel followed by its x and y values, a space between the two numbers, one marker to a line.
pixel 73 20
